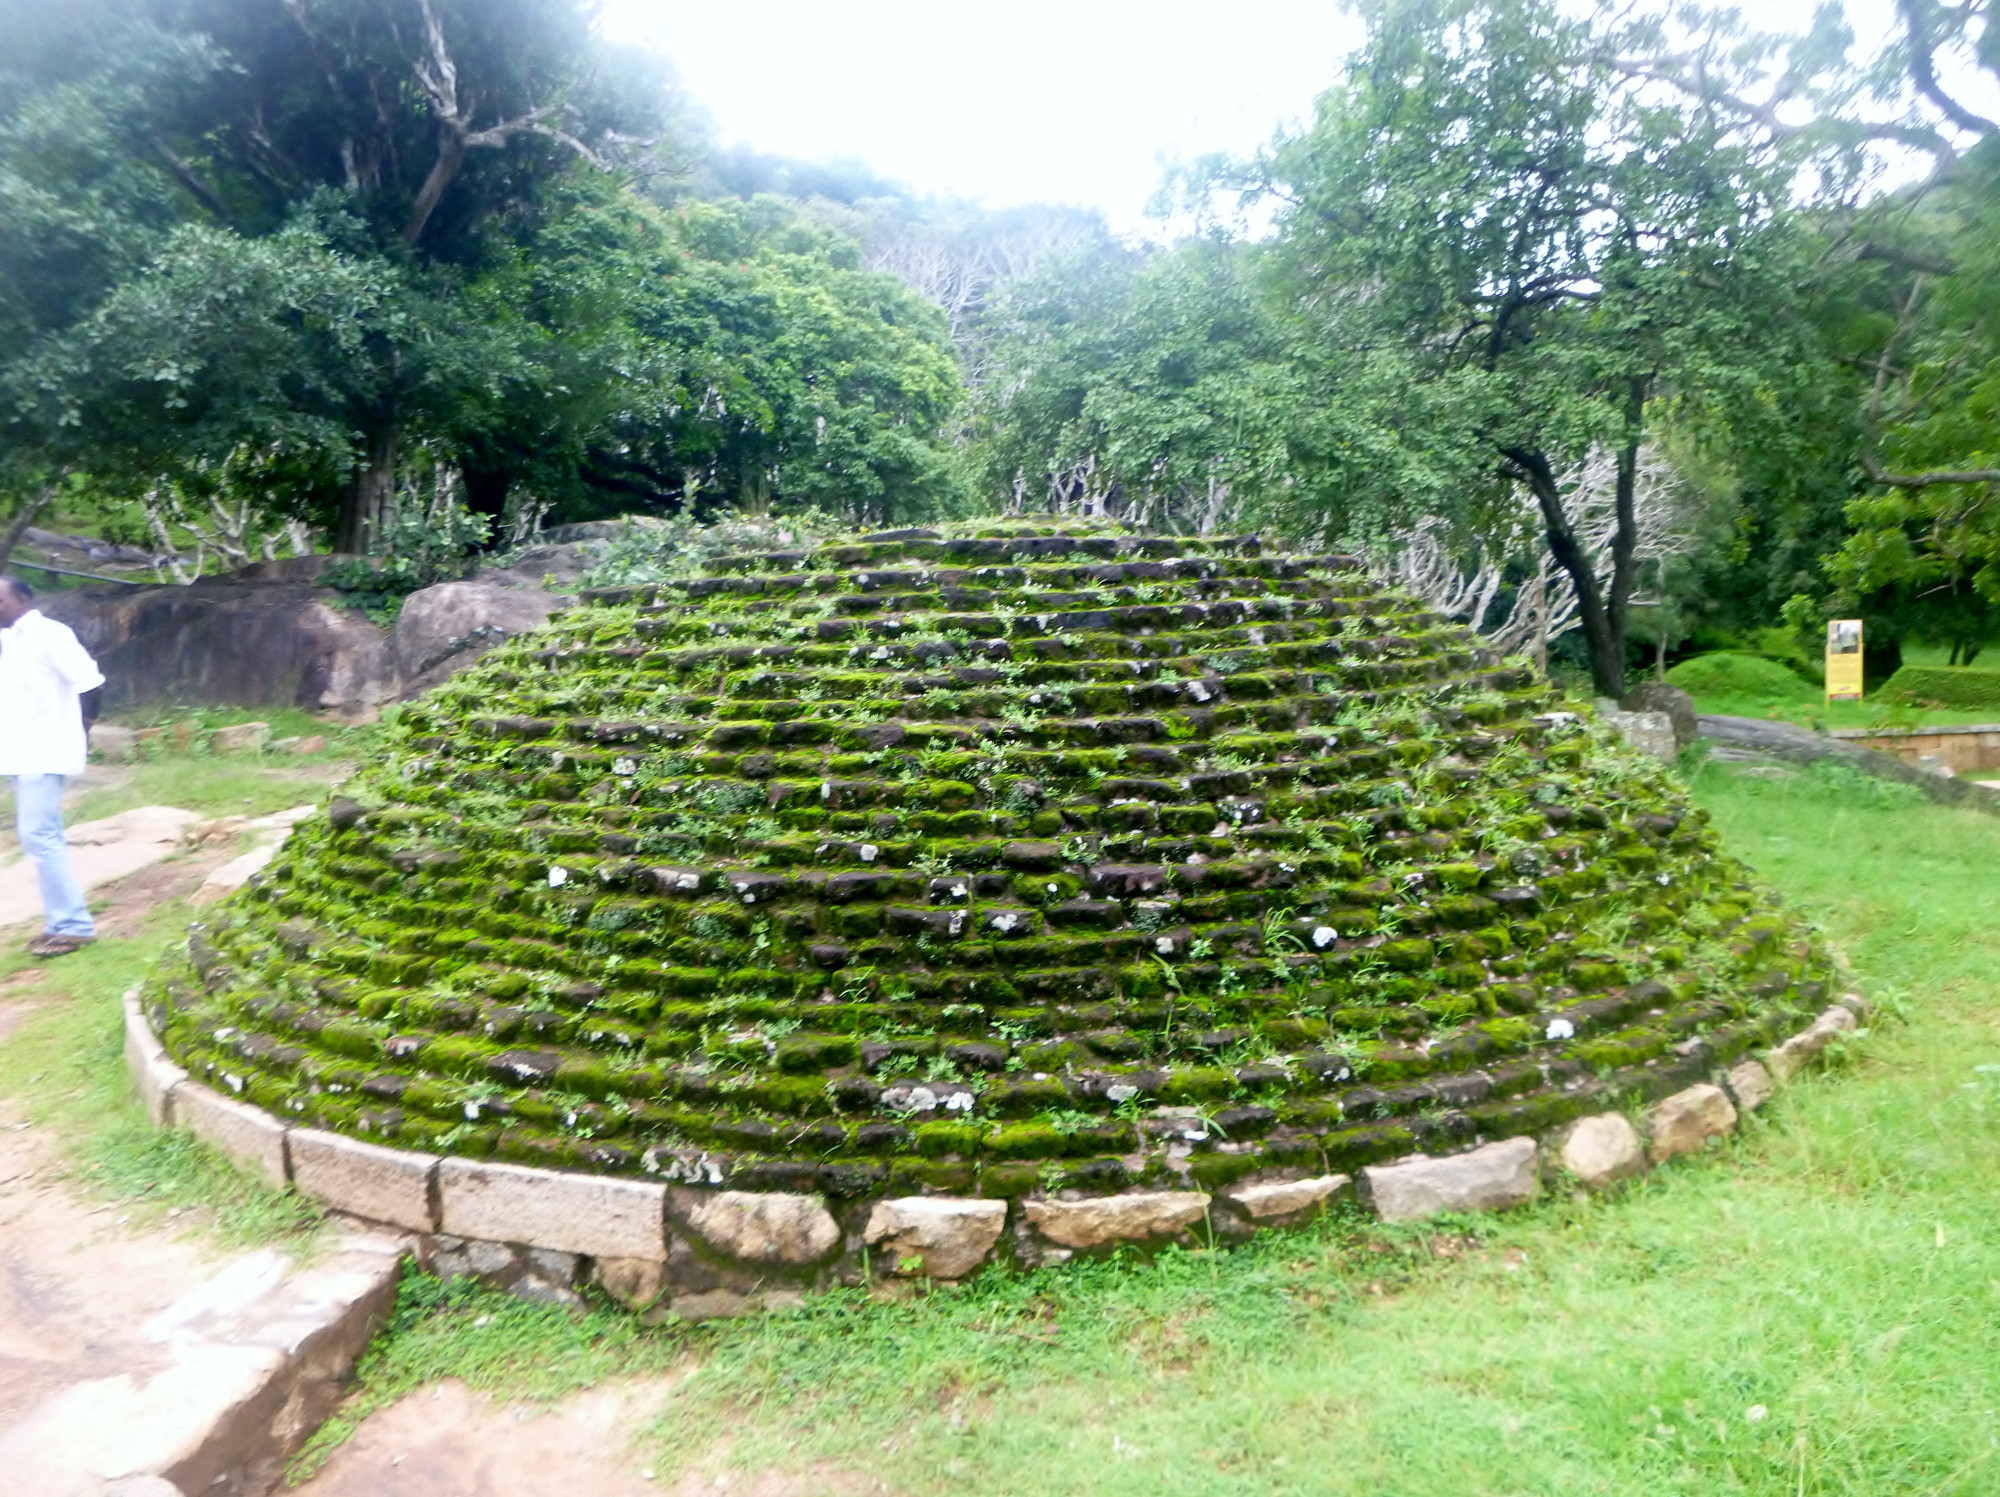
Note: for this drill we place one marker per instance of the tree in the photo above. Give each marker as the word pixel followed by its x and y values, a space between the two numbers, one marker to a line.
pixel 1153 388
pixel 1507 587
pixel 1509 253
pixel 423 135
pixel 1906 291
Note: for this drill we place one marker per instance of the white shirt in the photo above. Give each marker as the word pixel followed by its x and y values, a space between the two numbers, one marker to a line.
pixel 43 670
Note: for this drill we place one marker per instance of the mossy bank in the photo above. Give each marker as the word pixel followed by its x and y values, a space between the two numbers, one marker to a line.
pixel 1017 863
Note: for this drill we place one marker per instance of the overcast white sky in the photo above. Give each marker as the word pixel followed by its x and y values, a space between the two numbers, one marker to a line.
pixel 1067 101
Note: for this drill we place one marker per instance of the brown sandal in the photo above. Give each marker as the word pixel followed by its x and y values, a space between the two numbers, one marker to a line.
pixel 50 944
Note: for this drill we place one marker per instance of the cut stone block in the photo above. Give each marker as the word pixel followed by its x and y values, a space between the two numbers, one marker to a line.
pixel 1688 1120
pixel 1285 1200
pixel 365 1180
pixel 1750 1084
pixel 154 1077
pixel 760 1227
pixel 1491 1178
pixel 590 1214
pixel 1601 1150
pixel 254 1139
pixel 1109 1219
pixel 951 1236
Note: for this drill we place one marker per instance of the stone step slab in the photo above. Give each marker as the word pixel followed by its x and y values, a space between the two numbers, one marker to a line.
pixel 256 1359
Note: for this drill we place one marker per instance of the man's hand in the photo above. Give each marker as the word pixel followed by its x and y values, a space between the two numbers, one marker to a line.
pixel 87 702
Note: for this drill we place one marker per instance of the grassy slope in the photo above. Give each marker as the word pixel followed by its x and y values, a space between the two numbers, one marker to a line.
pixel 64 1068
pixel 1814 1309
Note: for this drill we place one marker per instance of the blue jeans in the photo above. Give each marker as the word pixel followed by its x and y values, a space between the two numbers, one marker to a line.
pixel 38 819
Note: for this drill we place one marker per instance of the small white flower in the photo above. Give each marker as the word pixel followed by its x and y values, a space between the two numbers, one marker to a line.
pixel 558 877
pixel 1756 1413
pixel 1561 1029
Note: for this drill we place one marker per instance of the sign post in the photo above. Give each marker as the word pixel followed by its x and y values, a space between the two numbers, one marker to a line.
pixel 1843 660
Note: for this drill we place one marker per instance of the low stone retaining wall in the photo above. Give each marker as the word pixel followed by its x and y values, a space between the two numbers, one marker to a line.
pixel 1973 750
pixel 675 1249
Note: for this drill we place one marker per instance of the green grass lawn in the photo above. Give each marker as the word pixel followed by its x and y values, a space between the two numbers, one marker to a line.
pixel 1736 685
pixel 1813 1309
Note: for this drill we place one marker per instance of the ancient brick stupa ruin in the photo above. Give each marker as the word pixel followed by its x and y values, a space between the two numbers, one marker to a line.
pixel 1082 883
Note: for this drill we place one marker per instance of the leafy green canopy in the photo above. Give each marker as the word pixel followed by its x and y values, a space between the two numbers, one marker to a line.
pixel 1511 253
pixel 298 247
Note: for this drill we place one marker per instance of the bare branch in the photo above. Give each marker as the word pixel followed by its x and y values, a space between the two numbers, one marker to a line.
pixel 1923 73
pixel 1874 469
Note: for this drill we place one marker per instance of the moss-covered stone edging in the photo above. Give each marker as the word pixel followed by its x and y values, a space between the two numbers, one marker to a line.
pixel 547 1232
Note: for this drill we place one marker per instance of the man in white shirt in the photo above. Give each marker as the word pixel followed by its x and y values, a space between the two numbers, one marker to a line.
pixel 48 699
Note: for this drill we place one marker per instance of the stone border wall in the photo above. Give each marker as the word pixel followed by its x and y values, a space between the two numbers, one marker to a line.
pixel 701 1254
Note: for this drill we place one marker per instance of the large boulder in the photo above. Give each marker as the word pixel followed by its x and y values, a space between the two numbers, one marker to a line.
pixel 443 629
pixel 236 641
pixel 268 635
pixel 1658 696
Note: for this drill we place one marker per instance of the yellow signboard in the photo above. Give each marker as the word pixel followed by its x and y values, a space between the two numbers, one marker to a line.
pixel 1843 660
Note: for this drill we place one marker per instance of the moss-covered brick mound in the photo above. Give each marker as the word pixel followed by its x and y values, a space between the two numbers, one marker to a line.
pixel 1009 862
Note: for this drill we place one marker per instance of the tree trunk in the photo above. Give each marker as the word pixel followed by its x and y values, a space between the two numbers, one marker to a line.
pixel 1604 635
pixel 370 496
pixel 23 520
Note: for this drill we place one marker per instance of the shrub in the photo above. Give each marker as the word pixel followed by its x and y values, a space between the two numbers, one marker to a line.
pixel 1728 674
pixel 1963 688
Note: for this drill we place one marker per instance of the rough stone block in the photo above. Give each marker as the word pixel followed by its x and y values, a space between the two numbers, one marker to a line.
pixel 366 1180
pixel 239 738
pixel 1649 732
pixel 1601 1150
pixel 760 1227
pixel 634 1282
pixel 1796 1053
pixel 1109 1219
pixel 1491 1178
pixel 951 1236
pixel 714 1304
pixel 113 744
pixel 590 1214
pixel 1285 1201
pixel 1750 1085
pixel 254 1139
pixel 1687 1120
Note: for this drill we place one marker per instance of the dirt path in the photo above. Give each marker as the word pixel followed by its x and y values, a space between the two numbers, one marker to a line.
pixel 447 1441
pixel 78 1280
